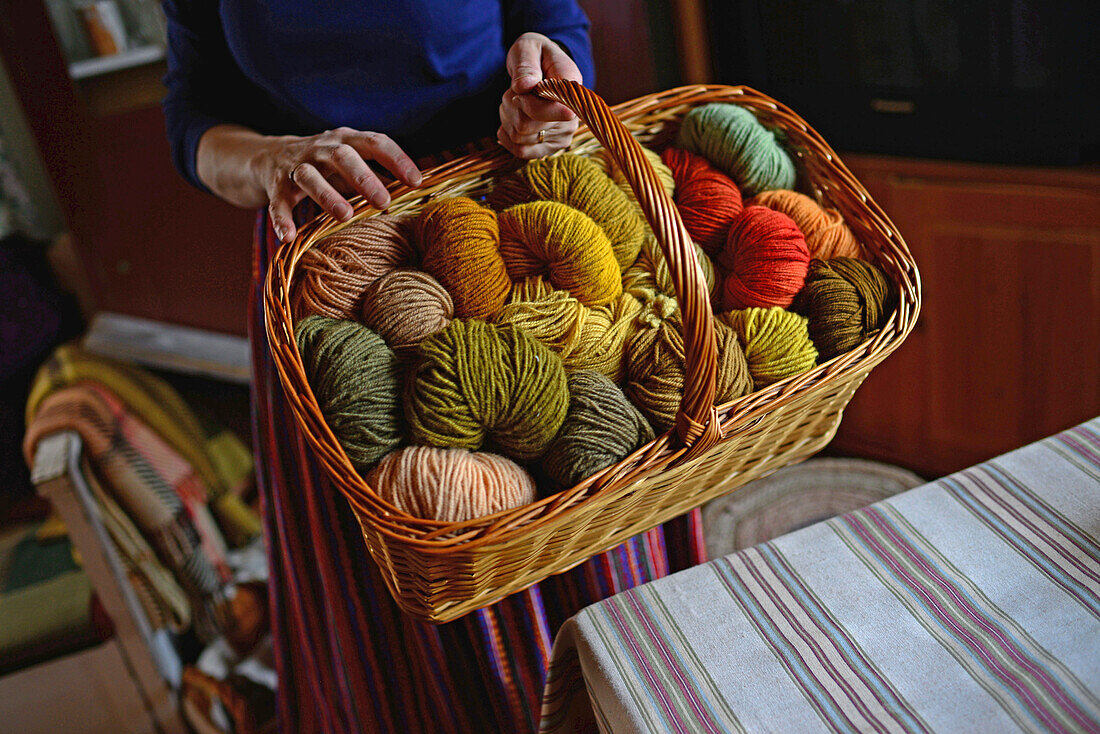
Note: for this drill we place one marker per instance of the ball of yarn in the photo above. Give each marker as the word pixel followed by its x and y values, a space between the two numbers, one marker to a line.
pixel 458 242
pixel 764 262
pixel 827 235
pixel 477 383
pixel 356 379
pixel 334 272
pixel 737 143
pixel 406 306
pixel 451 485
pixel 650 271
pixel 585 338
pixel 656 364
pixel 578 182
pixel 708 200
pixel 600 429
pixel 603 159
pixel 846 301
pixel 776 343
pixel 553 239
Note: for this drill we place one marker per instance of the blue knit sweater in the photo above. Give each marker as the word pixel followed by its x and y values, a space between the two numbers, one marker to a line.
pixel 428 73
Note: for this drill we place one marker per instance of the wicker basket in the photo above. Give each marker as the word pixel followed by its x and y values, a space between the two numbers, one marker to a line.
pixel 440 571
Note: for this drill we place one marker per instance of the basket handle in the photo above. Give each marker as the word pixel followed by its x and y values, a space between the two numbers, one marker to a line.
pixel 697 423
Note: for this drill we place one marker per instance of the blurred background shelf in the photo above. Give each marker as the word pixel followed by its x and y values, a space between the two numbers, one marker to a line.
pixel 115 62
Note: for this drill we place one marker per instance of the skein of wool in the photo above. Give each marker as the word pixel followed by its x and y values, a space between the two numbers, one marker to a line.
pixel 827 235
pixel 578 182
pixel 458 242
pixel 355 377
pixel 600 429
pixel 776 343
pixel 650 271
pixel 708 199
pixel 656 364
pixel 603 159
pixel 764 262
pixel 846 301
pixel 585 338
pixel 477 383
pixel 451 485
pixel 737 143
pixel 334 272
pixel 553 239
pixel 405 307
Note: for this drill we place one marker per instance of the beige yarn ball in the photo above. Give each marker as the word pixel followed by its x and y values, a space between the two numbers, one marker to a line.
pixel 602 158
pixel 405 307
pixel 650 271
pixel 451 484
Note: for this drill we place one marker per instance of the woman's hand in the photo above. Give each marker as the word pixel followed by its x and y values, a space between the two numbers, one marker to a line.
pixel 253 170
pixel 531 127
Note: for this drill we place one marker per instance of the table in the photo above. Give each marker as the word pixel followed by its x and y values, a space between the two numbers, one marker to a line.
pixel 968 604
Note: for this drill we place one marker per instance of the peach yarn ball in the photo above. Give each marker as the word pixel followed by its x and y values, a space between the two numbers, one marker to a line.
pixel 449 484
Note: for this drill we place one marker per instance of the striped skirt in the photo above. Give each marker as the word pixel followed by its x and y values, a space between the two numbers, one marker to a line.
pixel 348 659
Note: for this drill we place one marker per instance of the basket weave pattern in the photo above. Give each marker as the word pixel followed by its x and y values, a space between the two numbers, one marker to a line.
pixel 440 571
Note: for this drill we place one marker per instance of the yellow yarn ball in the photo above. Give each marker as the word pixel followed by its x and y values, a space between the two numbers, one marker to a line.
pixel 477 383
pixel 777 342
pixel 656 364
pixel 578 182
pixel 458 242
pixel 451 485
pixel 585 338
pixel 650 271
pixel 552 239
pixel 602 158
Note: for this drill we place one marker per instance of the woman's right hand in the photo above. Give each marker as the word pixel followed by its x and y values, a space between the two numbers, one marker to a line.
pixel 252 170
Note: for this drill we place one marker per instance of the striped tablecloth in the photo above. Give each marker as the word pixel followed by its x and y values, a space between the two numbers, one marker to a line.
pixel 970 604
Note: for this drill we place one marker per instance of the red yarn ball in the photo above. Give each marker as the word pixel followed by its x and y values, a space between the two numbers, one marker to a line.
pixel 764 262
pixel 708 199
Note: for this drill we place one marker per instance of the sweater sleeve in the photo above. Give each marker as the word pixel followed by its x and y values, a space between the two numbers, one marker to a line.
pixel 561 20
pixel 205 86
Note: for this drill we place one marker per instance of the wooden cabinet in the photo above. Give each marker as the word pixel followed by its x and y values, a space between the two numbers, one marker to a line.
pixel 1007 348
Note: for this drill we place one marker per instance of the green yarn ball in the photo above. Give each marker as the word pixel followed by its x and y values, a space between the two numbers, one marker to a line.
pixel 356 379
pixel 776 342
pixel 480 384
pixel 846 301
pixel 732 139
pixel 600 429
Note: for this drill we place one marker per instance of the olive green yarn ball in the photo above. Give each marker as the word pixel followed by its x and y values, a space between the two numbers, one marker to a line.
pixel 356 379
pixel 478 384
pixel 601 428
pixel 777 342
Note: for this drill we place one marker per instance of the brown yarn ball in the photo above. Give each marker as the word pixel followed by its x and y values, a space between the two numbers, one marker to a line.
pixel 458 242
pixel 552 239
pixel 846 301
pixel 451 485
pixel 827 236
pixel 656 364
pixel 600 429
pixel 650 271
pixel 578 182
pixel 405 307
pixel 333 274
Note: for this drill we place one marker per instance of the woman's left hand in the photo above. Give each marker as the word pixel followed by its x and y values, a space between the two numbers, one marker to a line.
pixel 531 127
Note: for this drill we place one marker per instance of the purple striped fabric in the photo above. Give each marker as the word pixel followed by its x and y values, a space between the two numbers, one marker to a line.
pixel 348 659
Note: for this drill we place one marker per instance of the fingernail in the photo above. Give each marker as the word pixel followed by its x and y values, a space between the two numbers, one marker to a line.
pixel 413 175
pixel 344 211
pixel 380 199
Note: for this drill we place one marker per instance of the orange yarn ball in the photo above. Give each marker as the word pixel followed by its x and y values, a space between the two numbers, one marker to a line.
pixel 552 239
pixel 333 274
pixel 764 262
pixel 458 242
pixel 708 199
pixel 827 236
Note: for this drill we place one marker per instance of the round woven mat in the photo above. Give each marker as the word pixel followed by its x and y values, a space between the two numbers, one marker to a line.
pixel 797 496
